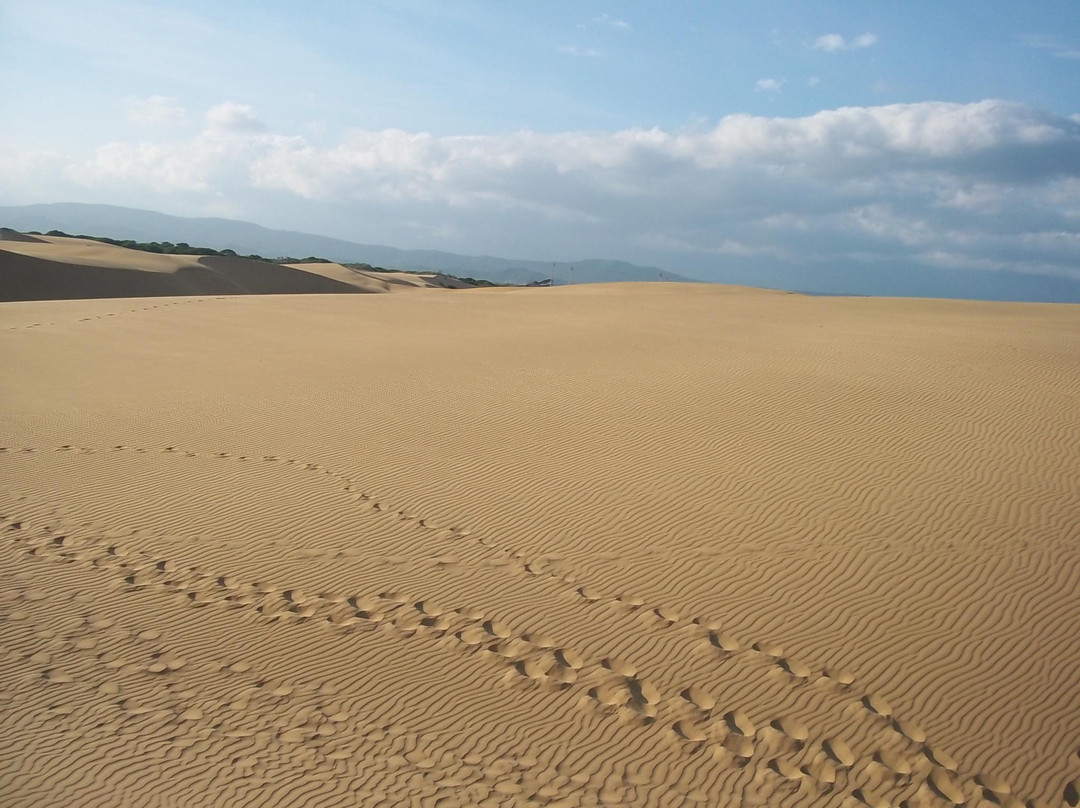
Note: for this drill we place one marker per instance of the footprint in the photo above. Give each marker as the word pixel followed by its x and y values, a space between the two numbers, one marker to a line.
pixel 940 757
pixel 563 676
pixel 569 658
pixel 533 668
pixel 620 667
pixel 588 593
pixel 668 615
pixel 643 691
pixel 841 676
pixel 497 629
pixel 738 721
pixel 913 732
pixel 839 752
pixel 539 640
pixel 429 608
pixel 994 784
pixel 610 695
pixel 795 668
pixel 699 698
pixel 823 771
pixel 792 728
pixel 740 746
pixel 166 662
pixel 689 731
pixel 724 642
pixel 786 768
pixel 945 787
pixel 513 648
pixel 708 623
pixel 895 763
pixel 473 636
pixel 877 705
pixel 769 649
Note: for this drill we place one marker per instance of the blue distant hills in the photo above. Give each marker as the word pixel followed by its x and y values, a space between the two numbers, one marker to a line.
pixel 246 238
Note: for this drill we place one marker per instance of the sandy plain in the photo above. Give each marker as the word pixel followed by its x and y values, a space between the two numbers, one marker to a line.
pixel 648 544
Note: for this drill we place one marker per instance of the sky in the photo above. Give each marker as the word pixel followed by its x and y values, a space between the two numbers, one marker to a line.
pixel 695 136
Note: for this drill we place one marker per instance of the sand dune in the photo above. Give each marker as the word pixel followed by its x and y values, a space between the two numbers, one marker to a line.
pixel 377 282
pixel 641 545
pixel 53 267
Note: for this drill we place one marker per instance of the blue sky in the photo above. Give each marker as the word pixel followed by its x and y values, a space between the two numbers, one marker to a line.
pixel 687 134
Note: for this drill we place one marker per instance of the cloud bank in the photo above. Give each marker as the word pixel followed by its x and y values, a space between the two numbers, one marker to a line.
pixel 989 185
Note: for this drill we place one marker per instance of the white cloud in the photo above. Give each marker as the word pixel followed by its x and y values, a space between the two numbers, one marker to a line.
pixel 983 185
pixel 233 136
pixel 158 166
pixel 1051 44
pixel 831 43
pixel 232 117
pixel 27 171
pixel 155 110
pixel 584 53
pixel 608 20
pixel 813 81
pixel 768 85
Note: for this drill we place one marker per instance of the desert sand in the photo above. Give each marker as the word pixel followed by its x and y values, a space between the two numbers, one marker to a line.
pixel 630 545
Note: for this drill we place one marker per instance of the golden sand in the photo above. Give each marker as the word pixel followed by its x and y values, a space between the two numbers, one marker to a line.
pixel 627 545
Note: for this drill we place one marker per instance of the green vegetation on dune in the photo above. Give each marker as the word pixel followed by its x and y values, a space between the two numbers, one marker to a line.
pixel 167 247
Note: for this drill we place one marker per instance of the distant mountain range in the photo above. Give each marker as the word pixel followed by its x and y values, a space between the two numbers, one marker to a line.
pixel 246 238
pixel 886 278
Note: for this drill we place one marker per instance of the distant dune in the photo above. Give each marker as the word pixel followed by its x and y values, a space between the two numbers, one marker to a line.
pixel 377 282
pixel 625 545
pixel 57 268
pixel 247 238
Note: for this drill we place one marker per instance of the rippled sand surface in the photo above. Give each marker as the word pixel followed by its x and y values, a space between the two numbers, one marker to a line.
pixel 631 545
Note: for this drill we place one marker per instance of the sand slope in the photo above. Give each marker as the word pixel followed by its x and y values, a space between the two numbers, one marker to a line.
pixel 378 282
pixel 619 545
pixel 53 267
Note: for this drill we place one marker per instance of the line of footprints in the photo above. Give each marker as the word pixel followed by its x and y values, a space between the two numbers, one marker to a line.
pixel 612 685
pixel 269 723
pixel 107 315
pixel 731 738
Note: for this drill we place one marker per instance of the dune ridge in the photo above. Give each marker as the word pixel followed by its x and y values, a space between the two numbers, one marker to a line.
pixel 618 545
pixel 58 267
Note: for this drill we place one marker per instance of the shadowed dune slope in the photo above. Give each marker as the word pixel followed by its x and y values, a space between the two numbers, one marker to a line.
pixel 7 234
pixel 57 268
pixel 630 545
